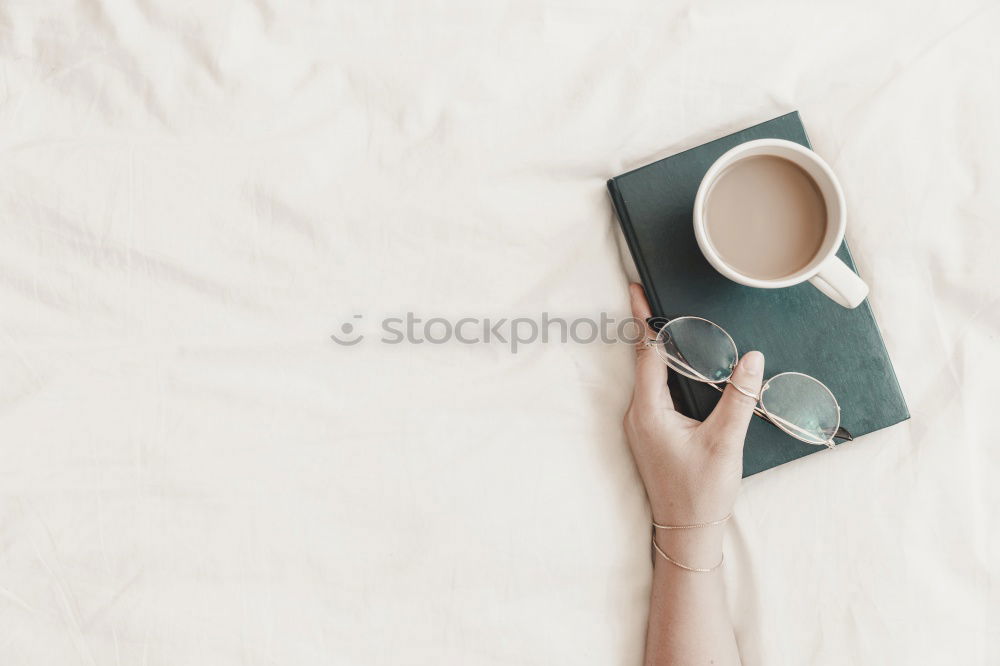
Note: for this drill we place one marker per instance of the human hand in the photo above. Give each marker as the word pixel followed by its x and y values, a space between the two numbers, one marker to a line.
pixel 691 469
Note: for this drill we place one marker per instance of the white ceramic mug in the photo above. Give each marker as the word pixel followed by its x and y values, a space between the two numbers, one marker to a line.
pixel 825 272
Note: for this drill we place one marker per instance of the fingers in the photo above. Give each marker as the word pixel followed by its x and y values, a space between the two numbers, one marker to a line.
pixel 731 417
pixel 650 371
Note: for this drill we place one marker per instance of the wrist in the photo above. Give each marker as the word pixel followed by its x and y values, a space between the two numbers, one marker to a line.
pixel 700 510
pixel 700 547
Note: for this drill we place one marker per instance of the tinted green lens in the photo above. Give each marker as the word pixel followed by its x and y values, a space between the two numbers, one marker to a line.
pixel 698 349
pixel 801 406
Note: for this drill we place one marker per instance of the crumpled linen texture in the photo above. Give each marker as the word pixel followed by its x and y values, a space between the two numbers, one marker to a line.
pixel 195 195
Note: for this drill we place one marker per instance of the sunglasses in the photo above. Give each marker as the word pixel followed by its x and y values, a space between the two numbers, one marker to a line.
pixel 800 405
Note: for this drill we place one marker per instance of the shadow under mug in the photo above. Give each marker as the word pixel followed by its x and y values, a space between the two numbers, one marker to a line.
pixel 825 272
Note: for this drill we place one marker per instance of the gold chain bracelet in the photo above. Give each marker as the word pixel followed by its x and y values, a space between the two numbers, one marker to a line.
pixel 695 525
pixel 684 566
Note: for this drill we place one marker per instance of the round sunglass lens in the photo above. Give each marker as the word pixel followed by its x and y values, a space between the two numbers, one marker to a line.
pixel 801 406
pixel 698 349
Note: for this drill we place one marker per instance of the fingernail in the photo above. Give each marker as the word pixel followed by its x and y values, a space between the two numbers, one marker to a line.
pixel 753 362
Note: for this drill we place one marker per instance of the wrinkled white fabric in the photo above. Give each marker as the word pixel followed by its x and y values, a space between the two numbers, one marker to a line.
pixel 195 195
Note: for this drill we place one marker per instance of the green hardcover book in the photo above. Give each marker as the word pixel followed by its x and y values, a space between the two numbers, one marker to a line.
pixel 797 329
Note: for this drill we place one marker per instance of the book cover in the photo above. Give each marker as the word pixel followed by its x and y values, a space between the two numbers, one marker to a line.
pixel 797 329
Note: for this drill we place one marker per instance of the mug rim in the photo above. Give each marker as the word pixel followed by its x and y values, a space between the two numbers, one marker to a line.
pixel 732 156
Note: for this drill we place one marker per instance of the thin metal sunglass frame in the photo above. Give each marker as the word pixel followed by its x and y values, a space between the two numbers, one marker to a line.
pixel 658 323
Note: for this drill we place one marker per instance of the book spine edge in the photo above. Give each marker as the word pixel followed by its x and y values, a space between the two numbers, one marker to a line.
pixel 686 398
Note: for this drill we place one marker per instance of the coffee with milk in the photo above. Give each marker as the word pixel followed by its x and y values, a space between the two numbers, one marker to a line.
pixel 766 217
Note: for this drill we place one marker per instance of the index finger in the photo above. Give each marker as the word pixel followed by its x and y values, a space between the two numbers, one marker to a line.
pixel 650 371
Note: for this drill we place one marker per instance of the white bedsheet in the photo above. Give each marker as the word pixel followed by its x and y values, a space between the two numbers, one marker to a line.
pixel 194 195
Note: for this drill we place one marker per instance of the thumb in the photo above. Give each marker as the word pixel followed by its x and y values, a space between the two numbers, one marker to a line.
pixel 731 417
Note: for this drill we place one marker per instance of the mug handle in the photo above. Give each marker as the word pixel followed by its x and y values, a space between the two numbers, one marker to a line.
pixel 840 283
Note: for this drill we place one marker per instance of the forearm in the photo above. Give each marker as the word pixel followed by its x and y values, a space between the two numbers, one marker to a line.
pixel 692 472
pixel 688 618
